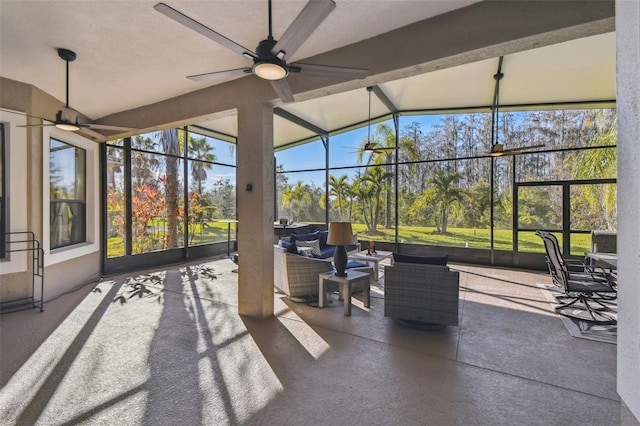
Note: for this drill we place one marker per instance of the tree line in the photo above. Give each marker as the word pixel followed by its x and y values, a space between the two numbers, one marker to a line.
pixel 444 174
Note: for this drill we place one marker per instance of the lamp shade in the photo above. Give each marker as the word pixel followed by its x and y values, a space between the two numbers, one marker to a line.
pixel 340 234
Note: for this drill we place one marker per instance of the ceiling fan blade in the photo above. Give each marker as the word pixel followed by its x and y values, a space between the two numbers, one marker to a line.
pixel 27 115
pixel 220 74
pixel 95 135
pixel 500 151
pixel 328 71
pixel 35 125
pixel 202 29
pixel 108 127
pixel 524 148
pixel 283 90
pixel 311 16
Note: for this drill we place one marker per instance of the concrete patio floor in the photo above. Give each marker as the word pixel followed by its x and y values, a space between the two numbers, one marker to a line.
pixel 170 348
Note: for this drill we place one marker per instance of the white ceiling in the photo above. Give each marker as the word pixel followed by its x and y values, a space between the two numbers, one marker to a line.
pixel 129 56
pixel 574 71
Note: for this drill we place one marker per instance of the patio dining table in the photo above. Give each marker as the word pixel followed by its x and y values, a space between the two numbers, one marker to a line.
pixel 607 260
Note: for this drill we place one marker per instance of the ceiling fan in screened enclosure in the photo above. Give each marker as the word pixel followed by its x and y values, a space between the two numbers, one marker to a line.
pixel 270 57
pixel 371 147
pixel 67 118
pixel 498 149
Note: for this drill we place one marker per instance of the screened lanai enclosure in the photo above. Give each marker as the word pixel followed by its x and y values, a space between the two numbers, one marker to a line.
pixel 165 196
pixel 437 185
pixel 434 187
pixel 428 185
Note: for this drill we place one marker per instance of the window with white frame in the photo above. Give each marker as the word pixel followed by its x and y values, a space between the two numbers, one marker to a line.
pixel 67 194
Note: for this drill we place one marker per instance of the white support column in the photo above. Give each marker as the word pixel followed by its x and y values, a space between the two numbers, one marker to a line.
pixel 628 107
pixel 255 188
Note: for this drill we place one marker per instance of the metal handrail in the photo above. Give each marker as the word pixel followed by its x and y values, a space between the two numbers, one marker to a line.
pixel 31 244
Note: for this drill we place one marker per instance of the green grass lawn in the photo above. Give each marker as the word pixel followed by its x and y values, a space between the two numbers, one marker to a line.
pixel 459 237
pixel 472 238
pixel 207 232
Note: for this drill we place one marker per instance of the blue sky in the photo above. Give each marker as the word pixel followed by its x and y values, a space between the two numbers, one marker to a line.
pixel 342 151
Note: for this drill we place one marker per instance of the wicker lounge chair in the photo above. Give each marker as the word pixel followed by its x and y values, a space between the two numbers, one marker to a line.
pixel 297 276
pixel 421 293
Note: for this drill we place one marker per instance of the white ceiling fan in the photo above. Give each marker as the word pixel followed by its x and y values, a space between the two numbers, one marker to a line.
pixel 67 118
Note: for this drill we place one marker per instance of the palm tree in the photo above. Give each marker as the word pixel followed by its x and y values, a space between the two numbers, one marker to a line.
pixel 339 187
pixel 604 163
pixel 143 166
pixel 384 136
pixel 445 194
pixel 201 154
pixel 171 146
pixel 368 189
pixel 295 197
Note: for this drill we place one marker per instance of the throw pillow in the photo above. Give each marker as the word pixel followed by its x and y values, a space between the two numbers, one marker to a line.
pixel 424 259
pixel 304 237
pixel 313 244
pixel 291 247
pixel 322 236
pixel 305 251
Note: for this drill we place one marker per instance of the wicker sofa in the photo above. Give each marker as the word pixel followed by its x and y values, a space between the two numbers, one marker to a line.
pixel 421 293
pixel 297 276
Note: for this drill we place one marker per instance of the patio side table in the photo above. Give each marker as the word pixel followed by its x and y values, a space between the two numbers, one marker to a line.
pixel 374 259
pixel 344 288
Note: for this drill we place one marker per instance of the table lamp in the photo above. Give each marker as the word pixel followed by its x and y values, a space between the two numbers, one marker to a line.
pixel 340 235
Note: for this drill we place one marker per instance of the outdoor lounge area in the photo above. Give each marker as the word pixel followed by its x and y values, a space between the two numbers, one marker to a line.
pixel 170 173
pixel 181 351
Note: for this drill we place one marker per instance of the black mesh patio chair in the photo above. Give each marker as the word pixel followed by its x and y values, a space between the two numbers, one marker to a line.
pixel 587 289
pixel 574 266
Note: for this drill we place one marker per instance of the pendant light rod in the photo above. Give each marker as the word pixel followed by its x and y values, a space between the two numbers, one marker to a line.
pixel 495 106
pixel 369 89
pixel 67 56
pixel 494 140
pixel 270 32
pixel 67 103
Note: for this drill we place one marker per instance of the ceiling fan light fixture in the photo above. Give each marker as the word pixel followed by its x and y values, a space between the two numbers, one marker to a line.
pixel 270 70
pixel 369 147
pixel 497 150
pixel 70 127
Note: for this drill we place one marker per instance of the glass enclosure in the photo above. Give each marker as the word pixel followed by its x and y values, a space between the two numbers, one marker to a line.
pixel 430 181
pixel 433 182
pixel 165 190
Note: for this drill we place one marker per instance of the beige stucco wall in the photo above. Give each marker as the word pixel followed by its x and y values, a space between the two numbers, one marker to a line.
pixel 71 274
pixel 27 183
pixel 255 192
